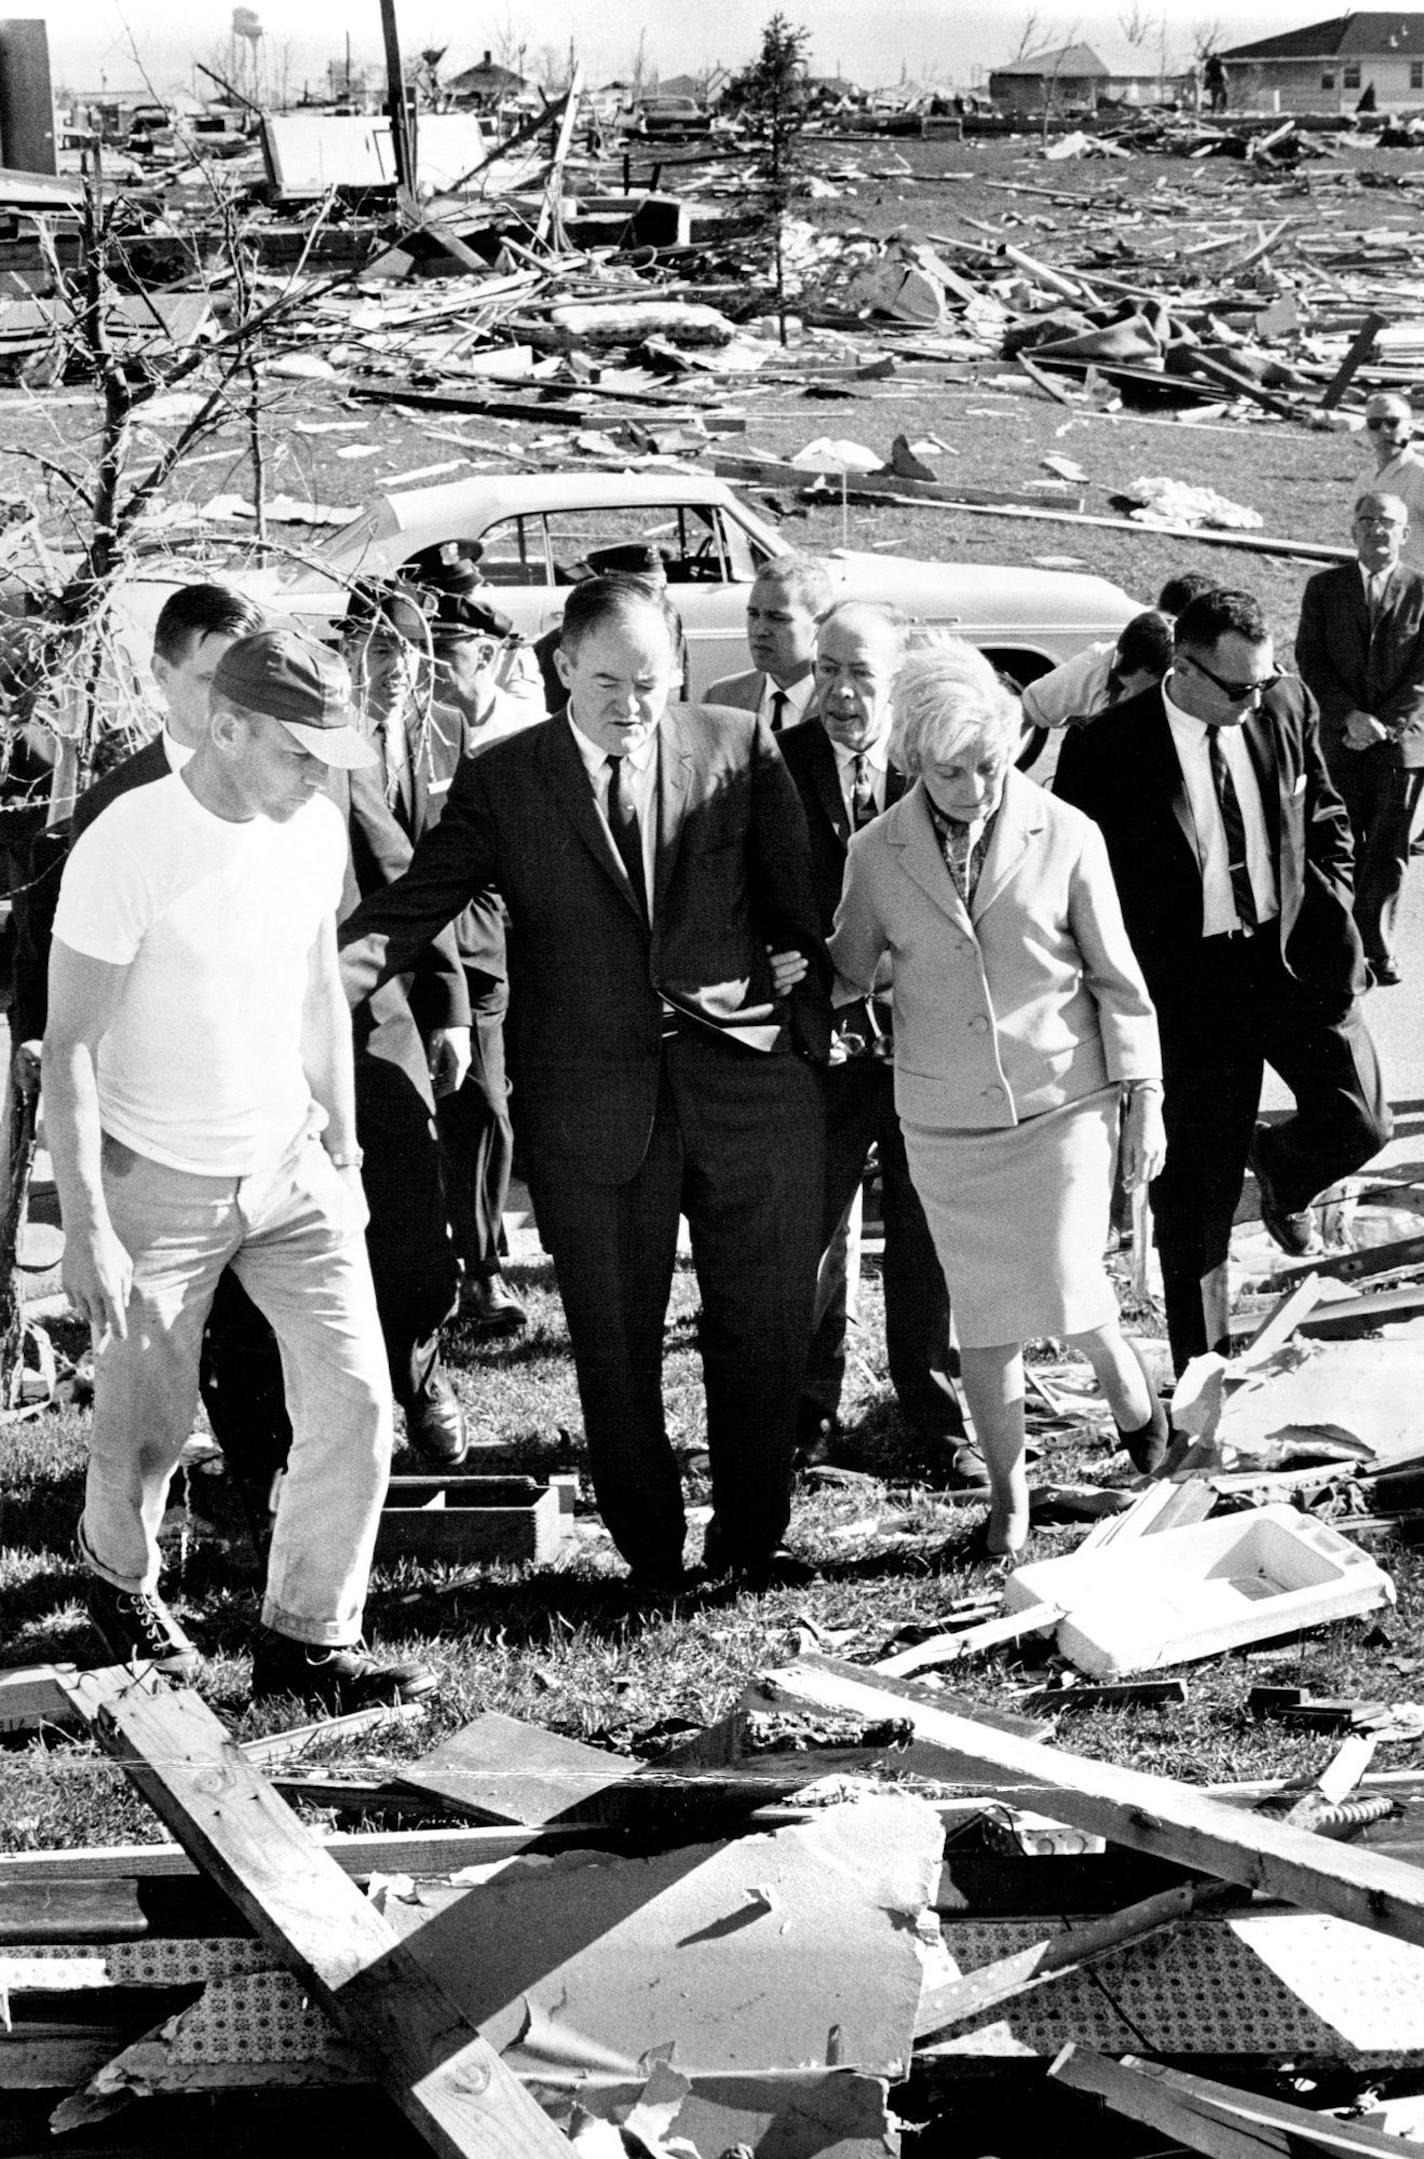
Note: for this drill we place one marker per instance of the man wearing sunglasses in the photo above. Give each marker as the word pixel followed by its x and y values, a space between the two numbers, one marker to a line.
pixel 1232 856
pixel 1398 468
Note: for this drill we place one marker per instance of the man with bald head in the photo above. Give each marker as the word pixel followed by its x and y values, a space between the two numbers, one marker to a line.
pixel 839 764
pixel 1360 651
pixel 1398 468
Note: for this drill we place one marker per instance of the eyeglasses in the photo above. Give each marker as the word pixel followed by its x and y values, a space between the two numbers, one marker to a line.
pixel 1386 419
pixel 1235 693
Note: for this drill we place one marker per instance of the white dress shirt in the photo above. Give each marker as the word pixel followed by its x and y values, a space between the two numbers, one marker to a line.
pixel 643 774
pixel 1191 739
pixel 1376 584
pixel 175 751
pixel 877 769
pixel 1402 476
pixel 798 697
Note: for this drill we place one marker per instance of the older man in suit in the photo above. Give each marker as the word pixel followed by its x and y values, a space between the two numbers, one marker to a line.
pixel 1360 651
pixel 648 855
pixel 838 761
pixel 1232 856
pixel 789 596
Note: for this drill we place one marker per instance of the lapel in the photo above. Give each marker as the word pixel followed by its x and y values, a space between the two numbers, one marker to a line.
pixel 571 788
pixel 908 829
pixel 1161 752
pixel 674 780
pixel 896 786
pixel 1020 817
pixel 826 779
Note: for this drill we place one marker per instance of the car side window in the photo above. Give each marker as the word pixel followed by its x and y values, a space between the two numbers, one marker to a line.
pixel 515 552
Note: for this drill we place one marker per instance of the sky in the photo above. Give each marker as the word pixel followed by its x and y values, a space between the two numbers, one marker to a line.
pixel 116 43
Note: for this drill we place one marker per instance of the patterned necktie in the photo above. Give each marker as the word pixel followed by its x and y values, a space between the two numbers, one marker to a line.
pixel 1234 826
pixel 778 711
pixel 395 759
pixel 623 824
pixel 862 792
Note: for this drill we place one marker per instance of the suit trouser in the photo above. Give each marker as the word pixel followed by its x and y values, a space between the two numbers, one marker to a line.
pixel 477 1139
pixel 293 1238
pixel 737 1146
pixel 860 1114
pixel 1220 1026
pixel 1386 809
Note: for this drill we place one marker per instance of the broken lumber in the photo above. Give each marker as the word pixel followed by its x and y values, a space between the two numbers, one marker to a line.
pixel 1148 1813
pixel 969 1641
pixel 444 2077
pixel 1213 2118
pixel 955 2000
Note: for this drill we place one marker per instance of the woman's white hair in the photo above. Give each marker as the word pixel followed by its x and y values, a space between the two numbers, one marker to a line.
pixel 949 701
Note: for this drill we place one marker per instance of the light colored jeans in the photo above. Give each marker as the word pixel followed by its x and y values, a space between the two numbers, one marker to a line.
pixel 294 1238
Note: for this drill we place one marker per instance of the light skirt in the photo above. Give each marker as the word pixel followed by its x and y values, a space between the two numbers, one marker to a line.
pixel 1019 1218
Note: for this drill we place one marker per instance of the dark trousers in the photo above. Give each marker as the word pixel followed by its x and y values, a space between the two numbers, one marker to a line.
pixel 478 1144
pixel 1221 1024
pixel 737 1147
pixel 860 1114
pixel 1386 808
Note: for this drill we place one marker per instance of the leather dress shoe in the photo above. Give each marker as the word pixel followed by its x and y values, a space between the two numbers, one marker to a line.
pixel 777 1569
pixel 817 1431
pixel 435 1424
pixel 1296 1234
pixel 490 1305
pixel 1384 975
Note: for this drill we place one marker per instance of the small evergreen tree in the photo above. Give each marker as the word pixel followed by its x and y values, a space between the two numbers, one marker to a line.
pixel 772 97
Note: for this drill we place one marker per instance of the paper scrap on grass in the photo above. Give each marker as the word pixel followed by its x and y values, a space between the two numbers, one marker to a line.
pixel 799 1950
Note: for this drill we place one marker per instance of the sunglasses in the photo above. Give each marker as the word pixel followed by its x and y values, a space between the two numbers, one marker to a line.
pixel 1395 419
pixel 1235 693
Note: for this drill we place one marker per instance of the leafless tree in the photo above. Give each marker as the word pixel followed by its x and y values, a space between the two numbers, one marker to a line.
pixel 1029 30
pixel 1208 34
pixel 511 47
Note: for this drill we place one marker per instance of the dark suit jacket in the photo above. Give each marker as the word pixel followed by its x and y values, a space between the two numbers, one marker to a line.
pixel 811 761
pixel 1350 666
pixel 390 1055
pixel 733 876
pixel 1125 774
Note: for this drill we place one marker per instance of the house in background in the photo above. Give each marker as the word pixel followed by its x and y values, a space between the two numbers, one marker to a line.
pixel 1074 77
pixel 1329 66
pixel 483 85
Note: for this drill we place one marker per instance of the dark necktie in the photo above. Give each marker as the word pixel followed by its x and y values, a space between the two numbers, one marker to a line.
pixel 862 792
pixel 778 711
pixel 623 824
pixel 1234 826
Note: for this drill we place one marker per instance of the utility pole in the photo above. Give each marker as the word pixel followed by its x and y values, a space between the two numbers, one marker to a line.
pixel 402 127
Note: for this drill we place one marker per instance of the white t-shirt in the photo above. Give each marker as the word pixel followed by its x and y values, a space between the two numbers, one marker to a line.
pixel 202 1067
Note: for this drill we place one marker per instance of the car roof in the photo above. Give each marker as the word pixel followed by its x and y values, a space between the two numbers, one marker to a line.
pixel 519 494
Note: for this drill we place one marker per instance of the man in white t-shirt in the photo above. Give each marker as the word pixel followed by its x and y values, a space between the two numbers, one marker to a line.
pixel 201 1113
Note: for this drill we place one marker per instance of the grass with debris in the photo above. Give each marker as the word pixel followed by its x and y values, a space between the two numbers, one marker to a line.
pixel 562 1646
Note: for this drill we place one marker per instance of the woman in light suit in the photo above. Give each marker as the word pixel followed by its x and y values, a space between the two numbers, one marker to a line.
pixel 1023 1033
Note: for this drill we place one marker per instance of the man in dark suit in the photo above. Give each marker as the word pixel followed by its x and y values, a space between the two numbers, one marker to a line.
pixel 1360 651
pixel 648 856
pixel 789 596
pixel 839 764
pixel 1231 852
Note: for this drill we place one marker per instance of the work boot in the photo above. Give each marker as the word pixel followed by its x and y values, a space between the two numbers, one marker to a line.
pixel 137 1627
pixel 435 1423
pixel 334 1681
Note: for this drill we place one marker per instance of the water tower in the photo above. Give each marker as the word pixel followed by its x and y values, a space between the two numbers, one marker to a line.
pixel 246 44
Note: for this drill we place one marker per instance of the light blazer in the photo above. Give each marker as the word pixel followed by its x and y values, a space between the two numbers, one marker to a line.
pixel 1351 666
pixel 732 877
pixel 1035 1001
pixel 742 692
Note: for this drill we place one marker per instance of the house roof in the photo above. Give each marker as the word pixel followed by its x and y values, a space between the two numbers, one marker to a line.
pixel 1060 60
pixel 487 76
pixel 1342 37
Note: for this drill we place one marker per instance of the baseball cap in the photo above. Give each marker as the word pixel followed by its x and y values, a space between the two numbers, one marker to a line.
pixel 302 685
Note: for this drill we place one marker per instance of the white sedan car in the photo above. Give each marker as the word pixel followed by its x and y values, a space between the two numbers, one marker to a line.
pixel 536 531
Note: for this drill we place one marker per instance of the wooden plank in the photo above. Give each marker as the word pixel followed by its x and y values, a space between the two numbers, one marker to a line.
pixel 532 1528
pixel 1152 1814
pixel 444 2077
pixel 34 1694
pixel 954 2001
pixel 502 1770
pixel 1355 1266
pixel 970 1641
pixel 1285 1315
pixel 1214 2118
pixel 1161 1506
pixel 1354 359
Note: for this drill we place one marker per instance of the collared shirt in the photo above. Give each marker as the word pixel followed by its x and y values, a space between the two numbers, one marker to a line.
pixel 1402 476
pixel 797 698
pixel 175 751
pixel 877 769
pixel 643 773
pixel 1190 737
pixel 1376 584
